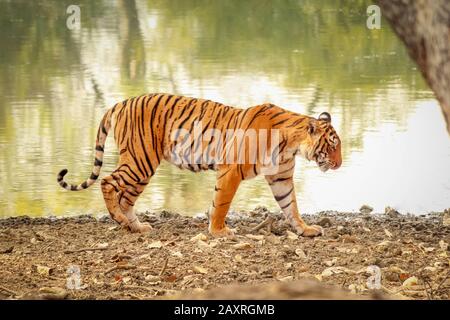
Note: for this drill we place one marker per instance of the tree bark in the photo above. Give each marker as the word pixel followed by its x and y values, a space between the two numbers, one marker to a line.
pixel 424 27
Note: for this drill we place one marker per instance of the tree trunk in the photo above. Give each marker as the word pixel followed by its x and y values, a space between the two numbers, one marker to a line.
pixel 424 27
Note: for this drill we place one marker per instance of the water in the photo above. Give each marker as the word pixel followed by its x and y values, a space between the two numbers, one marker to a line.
pixel 306 56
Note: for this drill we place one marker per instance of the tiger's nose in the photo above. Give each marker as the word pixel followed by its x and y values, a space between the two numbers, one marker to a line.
pixel 336 165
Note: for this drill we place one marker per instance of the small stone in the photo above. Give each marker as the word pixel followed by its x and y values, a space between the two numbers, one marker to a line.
pixel 273 239
pixel 446 218
pixel 443 245
pixel 152 278
pixel 103 245
pixel 365 209
pixel 126 280
pixel 396 269
pixel 291 236
pixel 203 245
pixel 324 222
pixel 391 212
pixel 177 254
pixel 430 269
pixel 346 238
pixel 299 252
pixel 330 263
pixel 155 245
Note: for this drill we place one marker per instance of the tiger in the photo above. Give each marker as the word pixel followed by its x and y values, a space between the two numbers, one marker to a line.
pixel 155 127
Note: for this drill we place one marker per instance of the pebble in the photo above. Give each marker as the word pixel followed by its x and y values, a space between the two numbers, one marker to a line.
pixel 242 246
pixel 365 209
pixel 291 236
pixel 391 212
pixel 446 218
pixel 324 222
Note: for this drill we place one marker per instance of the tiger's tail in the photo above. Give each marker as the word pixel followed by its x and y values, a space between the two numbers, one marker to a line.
pixel 102 133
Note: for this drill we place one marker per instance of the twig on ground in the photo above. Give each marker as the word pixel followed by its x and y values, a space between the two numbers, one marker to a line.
pixel 8 291
pixel 164 267
pixel 86 249
pixel 120 267
pixel 268 222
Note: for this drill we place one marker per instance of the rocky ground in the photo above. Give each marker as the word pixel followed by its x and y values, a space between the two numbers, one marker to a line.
pixel 87 258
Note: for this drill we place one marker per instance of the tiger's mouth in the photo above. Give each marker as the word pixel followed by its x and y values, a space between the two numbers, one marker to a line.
pixel 323 165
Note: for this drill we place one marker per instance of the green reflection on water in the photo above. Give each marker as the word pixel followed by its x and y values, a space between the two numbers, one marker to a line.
pixel 55 84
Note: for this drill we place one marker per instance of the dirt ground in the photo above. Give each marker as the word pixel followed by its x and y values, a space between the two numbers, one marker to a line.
pixel 87 258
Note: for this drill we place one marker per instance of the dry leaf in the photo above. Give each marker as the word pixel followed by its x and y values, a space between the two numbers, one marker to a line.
pixel 201 270
pixel 411 281
pixel 257 237
pixel 336 270
pixel 388 233
pixel 177 254
pixel 285 279
pixel 242 246
pixel 45 271
pixel 299 252
pixel 200 236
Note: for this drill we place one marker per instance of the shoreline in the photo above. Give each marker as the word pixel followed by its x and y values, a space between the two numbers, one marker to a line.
pixel 179 259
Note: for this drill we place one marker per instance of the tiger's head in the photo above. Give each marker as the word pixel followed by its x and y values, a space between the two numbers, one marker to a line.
pixel 322 144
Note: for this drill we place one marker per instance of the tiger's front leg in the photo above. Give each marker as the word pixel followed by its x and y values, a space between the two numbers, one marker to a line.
pixel 228 180
pixel 282 186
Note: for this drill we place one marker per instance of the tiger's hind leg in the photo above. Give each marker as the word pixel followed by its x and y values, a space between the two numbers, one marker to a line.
pixel 120 191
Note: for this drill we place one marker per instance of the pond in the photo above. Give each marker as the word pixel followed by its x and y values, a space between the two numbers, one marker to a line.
pixel 306 56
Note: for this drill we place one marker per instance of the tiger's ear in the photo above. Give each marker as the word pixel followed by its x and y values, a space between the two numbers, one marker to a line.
pixel 312 127
pixel 325 116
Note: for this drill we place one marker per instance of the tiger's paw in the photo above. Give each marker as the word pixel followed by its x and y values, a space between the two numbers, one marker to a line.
pixel 312 231
pixel 145 227
pixel 225 232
